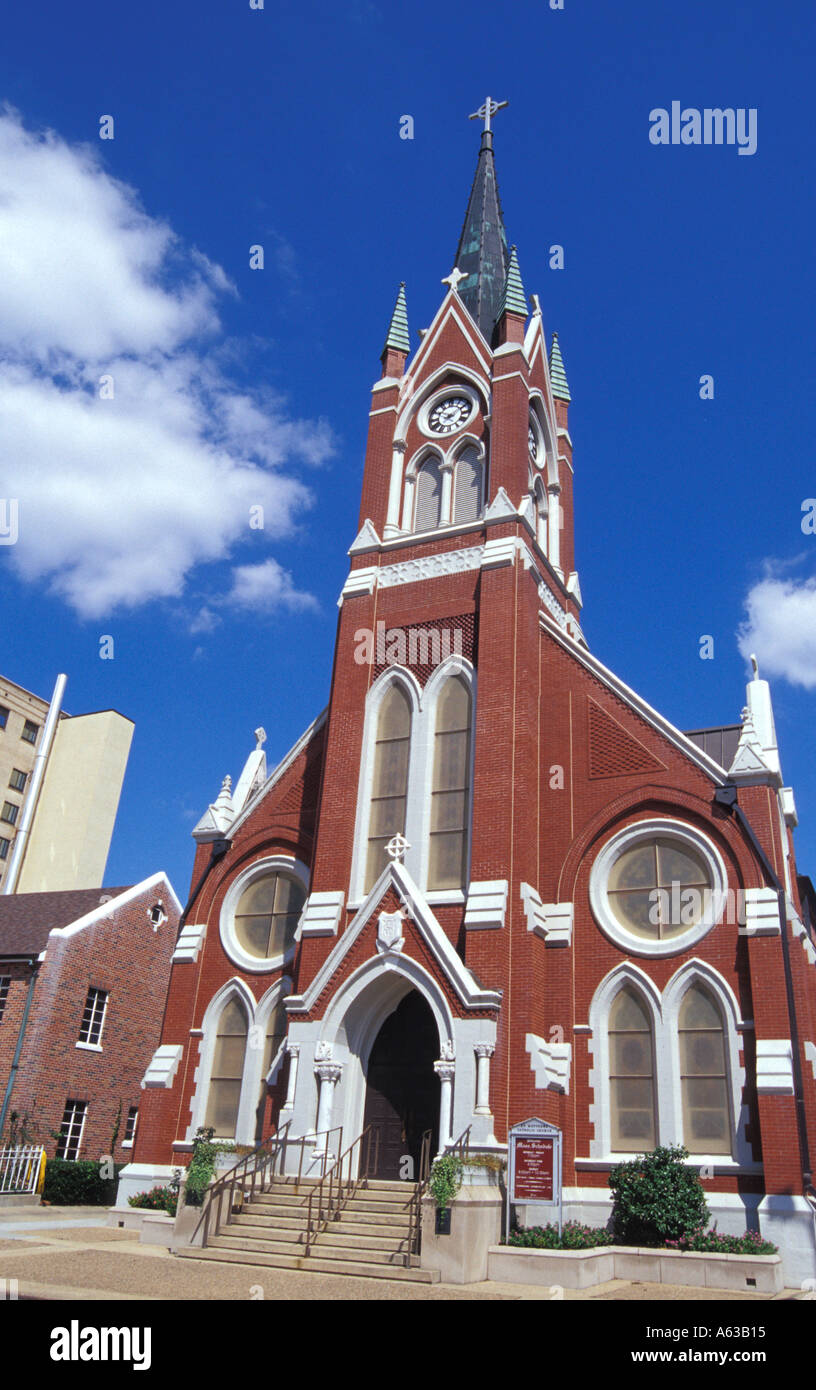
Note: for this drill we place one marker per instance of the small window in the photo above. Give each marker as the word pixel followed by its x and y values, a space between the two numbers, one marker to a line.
pixel 5 985
pixel 4 847
pixel 130 1124
pixel 703 1077
pixel 9 813
pixel 157 914
pixel 17 780
pixel 30 732
pixel 73 1123
pixel 94 1016
pixel 4 714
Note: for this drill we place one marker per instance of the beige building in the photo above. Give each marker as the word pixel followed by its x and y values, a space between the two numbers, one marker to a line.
pixel 60 781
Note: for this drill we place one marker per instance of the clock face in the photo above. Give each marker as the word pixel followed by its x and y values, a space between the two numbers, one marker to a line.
pixel 449 415
pixel 532 444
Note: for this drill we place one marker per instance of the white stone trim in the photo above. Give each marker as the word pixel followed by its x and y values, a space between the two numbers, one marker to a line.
pixel 501 551
pixel 162 1067
pixel 432 399
pixel 273 863
pixel 360 581
pixel 321 914
pixel 431 566
pixel 191 939
pixel 366 539
pixel 111 905
pixel 810 1056
pixel 774 1067
pixel 486 905
pixel 551 1063
pixel 788 802
pixel 625 839
pixel 277 773
pixel 761 913
pixel 553 922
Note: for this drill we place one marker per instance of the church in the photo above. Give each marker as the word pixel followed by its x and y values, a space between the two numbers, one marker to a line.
pixel 490 881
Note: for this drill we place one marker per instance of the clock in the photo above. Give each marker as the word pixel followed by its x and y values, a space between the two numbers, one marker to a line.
pixel 450 415
pixel 532 444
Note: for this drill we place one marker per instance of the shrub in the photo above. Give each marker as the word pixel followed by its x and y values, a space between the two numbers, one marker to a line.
pixel 656 1198
pixel 78 1184
pixel 574 1236
pixel 201 1167
pixel 157 1199
pixel 445 1179
pixel 716 1243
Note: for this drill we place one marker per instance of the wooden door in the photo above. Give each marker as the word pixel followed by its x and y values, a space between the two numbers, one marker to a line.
pixel 402 1092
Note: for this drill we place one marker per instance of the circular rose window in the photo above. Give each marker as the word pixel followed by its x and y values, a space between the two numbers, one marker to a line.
pixel 261 912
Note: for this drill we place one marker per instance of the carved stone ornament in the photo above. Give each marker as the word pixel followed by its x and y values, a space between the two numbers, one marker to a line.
pixel 389 933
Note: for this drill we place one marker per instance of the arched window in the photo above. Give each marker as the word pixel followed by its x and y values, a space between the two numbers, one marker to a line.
pixel 267 915
pixel 450 796
pixel 428 496
pixel 541 514
pixel 390 783
pixel 703 1074
pixel 227 1071
pixel 631 1075
pixel 275 1034
pixel 467 487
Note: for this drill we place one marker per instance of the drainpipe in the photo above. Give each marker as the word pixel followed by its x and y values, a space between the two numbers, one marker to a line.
pixel 34 787
pixel 35 965
pixel 217 851
pixel 727 798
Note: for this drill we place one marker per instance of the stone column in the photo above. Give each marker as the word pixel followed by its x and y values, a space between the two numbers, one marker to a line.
pixel 446 501
pixel 484 1051
pixel 294 1054
pixel 395 489
pixel 554 527
pixel 446 1071
pixel 328 1075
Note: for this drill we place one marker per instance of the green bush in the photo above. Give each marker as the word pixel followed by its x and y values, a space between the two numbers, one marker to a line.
pixel 78 1184
pixel 574 1236
pixel 445 1179
pixel 201 1167
pixel 157 1199
pixel 715 1243
pixel 657 1198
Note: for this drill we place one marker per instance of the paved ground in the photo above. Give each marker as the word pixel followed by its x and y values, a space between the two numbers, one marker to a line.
pixel 69 1253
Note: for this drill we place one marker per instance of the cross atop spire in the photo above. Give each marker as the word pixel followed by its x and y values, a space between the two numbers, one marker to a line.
pixel 488 109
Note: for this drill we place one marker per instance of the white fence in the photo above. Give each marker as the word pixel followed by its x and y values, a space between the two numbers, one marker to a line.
pixel 20 1168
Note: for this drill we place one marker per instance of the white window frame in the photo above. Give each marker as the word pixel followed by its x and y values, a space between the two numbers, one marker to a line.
pixel 628 838
pixel 456 454
pixel 128 1143
pixel 84 1043
pixel 274 863
pixel 420 775
pixel 664 1012
pixel 80 1137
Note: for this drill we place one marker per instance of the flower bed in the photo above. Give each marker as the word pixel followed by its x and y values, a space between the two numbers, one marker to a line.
pixel 575 1236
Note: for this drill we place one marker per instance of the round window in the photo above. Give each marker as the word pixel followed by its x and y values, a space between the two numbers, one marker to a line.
pixel 267 914
pixel 658 885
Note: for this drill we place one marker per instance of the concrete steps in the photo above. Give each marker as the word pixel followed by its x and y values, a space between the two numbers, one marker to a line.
pixel 368 1239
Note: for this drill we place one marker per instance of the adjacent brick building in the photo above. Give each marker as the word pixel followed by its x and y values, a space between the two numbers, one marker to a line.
pixel 491 882
pixel 83 981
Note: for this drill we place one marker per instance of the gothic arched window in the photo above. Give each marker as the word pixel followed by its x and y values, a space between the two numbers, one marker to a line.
pixel 631 1075
pixel 390 782
pixel 450 795
pixel 428 496
pixel 275 1034
pixel 467 486
pixel 703 1074
pixel 541 514
pixel 227 1070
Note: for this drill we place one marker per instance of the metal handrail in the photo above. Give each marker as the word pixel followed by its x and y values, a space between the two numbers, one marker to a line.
pixel 462 1146
pixel 331 1193
pixel 263 1160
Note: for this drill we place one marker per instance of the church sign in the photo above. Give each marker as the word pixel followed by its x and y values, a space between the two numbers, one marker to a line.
pixel 534 1165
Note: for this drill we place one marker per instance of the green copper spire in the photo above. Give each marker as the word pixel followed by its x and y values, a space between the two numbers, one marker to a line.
pixel 482 251
pixel 398 331
pixel 558 377
pixel 513 300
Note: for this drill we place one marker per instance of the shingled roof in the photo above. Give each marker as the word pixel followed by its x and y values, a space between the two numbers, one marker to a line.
pixel 27 918
pixel 482 252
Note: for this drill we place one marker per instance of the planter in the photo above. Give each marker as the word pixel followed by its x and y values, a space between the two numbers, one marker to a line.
pixel 475 1223
pixel 580 1269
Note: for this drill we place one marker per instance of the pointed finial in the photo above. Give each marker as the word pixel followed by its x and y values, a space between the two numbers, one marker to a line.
pixel 488 109
pixel 514 300
pixel 398 337
pixel 536 305
pixel 260 738
pixel 558 377
pixel 453 279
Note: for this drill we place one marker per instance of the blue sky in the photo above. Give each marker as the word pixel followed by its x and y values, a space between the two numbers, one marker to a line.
pixel 280 127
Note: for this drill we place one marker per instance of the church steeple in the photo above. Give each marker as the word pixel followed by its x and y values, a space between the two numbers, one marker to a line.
pixel 482 250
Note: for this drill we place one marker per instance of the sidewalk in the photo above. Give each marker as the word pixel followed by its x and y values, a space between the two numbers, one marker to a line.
pixel 70 1253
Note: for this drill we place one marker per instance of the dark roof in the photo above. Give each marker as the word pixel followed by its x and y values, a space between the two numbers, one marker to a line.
pixel 719 743
pixel 482 251
pixel 27 918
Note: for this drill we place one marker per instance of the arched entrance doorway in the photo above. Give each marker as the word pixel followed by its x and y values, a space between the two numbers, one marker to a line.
pixel 402 1088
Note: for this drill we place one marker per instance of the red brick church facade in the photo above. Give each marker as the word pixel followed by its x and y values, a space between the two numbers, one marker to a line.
pixel 596 918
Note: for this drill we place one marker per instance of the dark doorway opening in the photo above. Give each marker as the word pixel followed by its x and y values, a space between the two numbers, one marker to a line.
pixel 402 1089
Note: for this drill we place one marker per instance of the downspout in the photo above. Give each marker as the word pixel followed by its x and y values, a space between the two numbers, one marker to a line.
pixel 34 787
pixel 35 965
pixel 217 851
pixel 727 798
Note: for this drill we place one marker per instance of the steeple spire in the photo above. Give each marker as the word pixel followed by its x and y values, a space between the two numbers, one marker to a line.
pixel 398 328
pixel 482 251
pixel 558 377
pixel 513 300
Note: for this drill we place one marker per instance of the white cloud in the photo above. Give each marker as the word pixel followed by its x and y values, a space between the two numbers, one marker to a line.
pixel 119 499
pixel 264 587
pixel 780 628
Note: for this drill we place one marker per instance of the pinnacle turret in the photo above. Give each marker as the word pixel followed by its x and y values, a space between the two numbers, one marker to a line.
pixel 558 376
pixel 398 336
